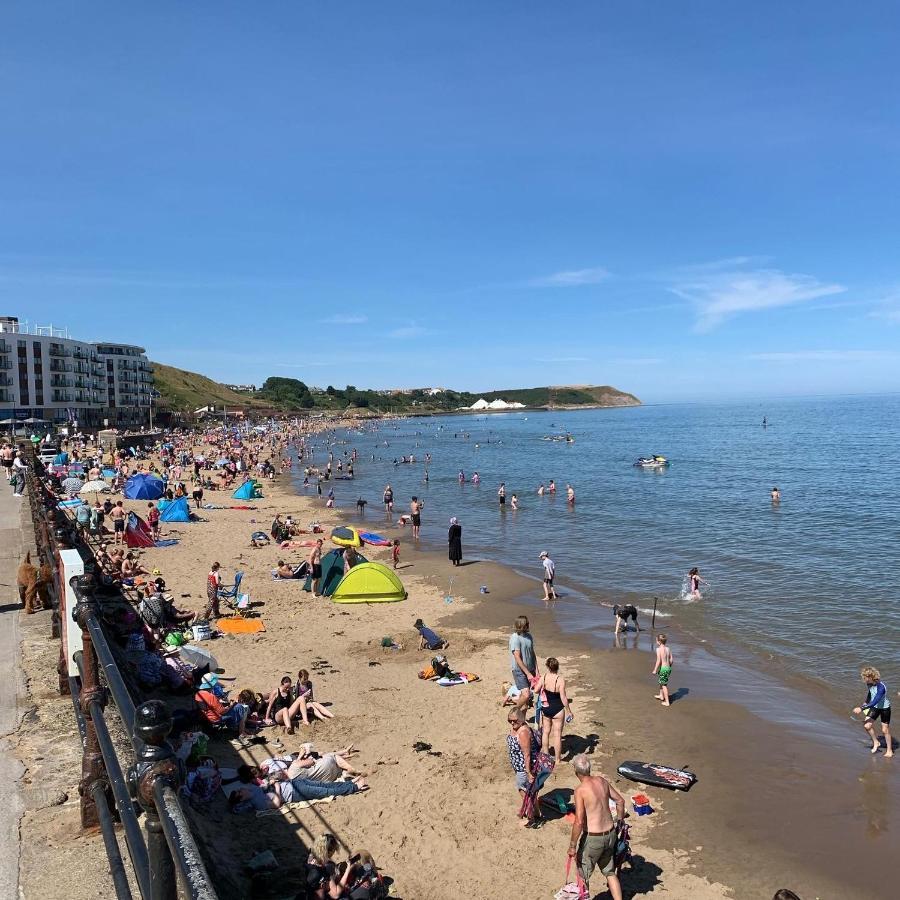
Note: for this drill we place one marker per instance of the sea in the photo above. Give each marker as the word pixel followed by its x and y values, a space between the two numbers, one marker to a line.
pixel 804 590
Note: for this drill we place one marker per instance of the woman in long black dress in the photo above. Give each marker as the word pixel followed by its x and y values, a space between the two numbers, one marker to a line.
pixel 454 538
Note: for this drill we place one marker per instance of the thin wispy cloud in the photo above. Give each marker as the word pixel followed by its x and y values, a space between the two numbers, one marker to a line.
pixel 571 278
pixel 722 294
pixel 888 308
pixel 407 332
pixel 341 319
pixel 842 356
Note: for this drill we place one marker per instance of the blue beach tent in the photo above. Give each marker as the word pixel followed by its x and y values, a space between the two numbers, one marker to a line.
pixel 249 490
pixel 144 487
pixel 175 511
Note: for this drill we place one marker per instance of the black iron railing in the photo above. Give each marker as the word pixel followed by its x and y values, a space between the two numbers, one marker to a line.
pixel 165 860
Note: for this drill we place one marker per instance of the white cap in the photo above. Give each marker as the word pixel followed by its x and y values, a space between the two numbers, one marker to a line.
pixel 544 553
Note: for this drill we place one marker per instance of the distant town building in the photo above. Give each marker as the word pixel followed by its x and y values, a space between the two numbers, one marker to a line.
pixel 46 374
pixel 242 388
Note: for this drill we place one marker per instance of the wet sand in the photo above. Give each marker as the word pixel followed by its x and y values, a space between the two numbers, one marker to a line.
pixel 771 809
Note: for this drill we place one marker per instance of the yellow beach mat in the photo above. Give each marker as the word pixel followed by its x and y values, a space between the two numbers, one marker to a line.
pixel 369 582
pixel 240 626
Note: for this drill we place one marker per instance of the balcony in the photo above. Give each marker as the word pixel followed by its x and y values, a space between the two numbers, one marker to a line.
pixel 61 397
pixel 82 368
pixel 5 381
pixel 60 381
pixel 58 366
pixel 80 353
pixel 6 396
pixel 4 347
pixel 5 364
pixel 59 350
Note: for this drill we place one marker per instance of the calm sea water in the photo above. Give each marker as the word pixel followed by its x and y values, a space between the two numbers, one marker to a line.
pixel 809 585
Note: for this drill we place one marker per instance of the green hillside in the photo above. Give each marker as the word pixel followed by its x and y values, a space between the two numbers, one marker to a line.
pixel 184 391
pixel 566 395
pixel 187 391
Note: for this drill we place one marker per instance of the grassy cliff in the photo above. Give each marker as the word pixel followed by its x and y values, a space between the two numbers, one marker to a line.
pixel 184 391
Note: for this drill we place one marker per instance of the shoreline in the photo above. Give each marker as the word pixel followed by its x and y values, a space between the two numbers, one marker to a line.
pixel 786 716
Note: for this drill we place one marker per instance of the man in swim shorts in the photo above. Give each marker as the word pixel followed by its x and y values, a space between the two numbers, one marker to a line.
pixel 593 839
pixel 663 668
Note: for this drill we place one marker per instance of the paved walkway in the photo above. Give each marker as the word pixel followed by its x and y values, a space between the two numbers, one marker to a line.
pixel 11 690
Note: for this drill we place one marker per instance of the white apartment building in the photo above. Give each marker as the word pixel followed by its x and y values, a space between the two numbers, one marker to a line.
pixel 46 374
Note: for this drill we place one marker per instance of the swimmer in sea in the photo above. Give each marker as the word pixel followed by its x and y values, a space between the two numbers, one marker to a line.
pixel 514 502
pixel 552 487
pixel 541 489
pixel 776 495
pixel 570 495
pixel 694 582
pixel 461 478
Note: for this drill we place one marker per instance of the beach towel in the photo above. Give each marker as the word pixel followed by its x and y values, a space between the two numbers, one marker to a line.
pixel 240 626
pixel 459 678
pixel 542 767
pixel 289 807
pixel 171 542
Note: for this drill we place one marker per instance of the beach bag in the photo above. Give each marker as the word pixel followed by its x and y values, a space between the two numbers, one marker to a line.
pixel 202 632
pixel 572 890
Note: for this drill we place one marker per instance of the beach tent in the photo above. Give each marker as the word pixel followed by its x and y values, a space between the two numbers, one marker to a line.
pixel 332 572
pixel 175 511
pixel 369 583
pixel 249 490
pixel 137 532
pixel 144 487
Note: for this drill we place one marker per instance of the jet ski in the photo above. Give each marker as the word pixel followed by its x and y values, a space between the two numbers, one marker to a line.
pixel 652 462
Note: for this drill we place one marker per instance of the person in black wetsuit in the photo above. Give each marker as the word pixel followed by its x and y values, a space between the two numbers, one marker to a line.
pixel 623 614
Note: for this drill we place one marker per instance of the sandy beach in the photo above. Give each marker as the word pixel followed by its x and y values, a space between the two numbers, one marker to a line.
pixel 443 824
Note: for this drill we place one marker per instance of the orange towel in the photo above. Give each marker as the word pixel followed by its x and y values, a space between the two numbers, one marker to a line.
pixel 240 626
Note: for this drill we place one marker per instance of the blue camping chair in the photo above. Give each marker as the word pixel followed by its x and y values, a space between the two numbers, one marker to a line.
pixel 230 591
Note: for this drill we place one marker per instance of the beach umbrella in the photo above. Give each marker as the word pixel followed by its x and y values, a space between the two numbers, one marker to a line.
pixel 198 657
pixel 94 487
pixel 72 485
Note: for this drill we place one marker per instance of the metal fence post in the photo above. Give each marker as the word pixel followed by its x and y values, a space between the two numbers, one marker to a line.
pixel 92 766
pixel 156 761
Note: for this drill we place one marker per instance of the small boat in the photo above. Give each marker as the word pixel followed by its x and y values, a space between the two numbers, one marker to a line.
pixel 652 462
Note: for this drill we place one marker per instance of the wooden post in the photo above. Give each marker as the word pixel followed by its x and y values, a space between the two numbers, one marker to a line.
pixel 653 622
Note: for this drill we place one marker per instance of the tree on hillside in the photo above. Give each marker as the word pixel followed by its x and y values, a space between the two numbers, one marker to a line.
pixel 285 390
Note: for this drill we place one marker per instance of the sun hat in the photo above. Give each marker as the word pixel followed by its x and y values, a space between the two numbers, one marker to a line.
pixel 543 554
pixel 210 679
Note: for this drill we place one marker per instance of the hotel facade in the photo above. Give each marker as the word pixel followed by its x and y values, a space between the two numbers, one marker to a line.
pixel 46 374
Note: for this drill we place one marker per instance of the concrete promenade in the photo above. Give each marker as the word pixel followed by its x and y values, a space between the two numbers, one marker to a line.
pixel 13 544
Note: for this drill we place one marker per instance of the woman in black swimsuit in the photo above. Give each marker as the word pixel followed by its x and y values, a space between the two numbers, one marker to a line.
pixel 554 705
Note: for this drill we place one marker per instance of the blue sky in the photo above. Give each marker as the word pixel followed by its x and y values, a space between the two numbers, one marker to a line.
pixel 684 200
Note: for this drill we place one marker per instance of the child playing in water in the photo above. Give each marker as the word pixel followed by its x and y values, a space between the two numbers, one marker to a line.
pixel 877 706
pixel 663 668
pixel 694 582
pixel 395 552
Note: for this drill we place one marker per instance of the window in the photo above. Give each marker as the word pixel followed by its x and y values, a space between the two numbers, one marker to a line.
pixel 36 349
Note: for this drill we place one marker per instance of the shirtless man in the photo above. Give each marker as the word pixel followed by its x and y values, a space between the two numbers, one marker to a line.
pixel 415 509
pixel 118 516
pixel 593 840
pixel 315 566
